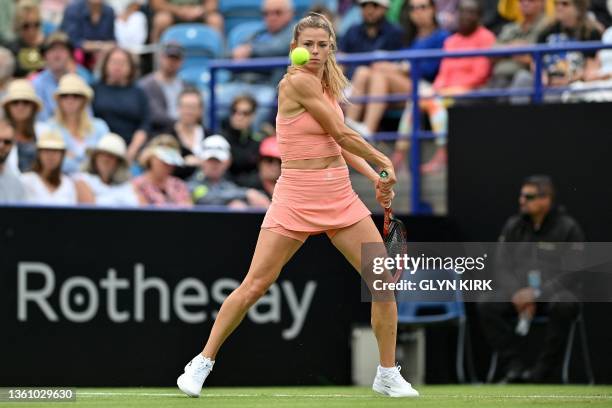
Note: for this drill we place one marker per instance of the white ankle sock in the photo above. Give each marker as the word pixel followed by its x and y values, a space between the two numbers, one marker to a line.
pixel 201 358
pixel 387 370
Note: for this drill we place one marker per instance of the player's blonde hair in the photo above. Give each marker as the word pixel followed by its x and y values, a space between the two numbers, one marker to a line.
pixel 334 80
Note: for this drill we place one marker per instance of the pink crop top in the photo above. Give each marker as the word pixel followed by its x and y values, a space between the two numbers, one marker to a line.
pixel 302 137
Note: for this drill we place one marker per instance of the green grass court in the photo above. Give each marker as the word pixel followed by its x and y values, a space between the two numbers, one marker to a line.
pixel 295 397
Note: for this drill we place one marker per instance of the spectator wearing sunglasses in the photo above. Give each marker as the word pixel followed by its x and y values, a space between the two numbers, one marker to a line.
pixel 189 131
pixel 540 220
pixel 243 139
pixel 274 40
pixel 11 189
pixel 374 33
pixel 27 46
pixel 73 122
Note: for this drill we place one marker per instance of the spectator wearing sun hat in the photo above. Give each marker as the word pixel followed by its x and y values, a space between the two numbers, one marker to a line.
pixel 20 105
pixel 46 184
pixel 209 186
pixel 58 53
pixel 105 176
pixel 73 121
pixel 157 186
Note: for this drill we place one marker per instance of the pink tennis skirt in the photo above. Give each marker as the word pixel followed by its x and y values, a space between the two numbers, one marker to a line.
pixel 314 201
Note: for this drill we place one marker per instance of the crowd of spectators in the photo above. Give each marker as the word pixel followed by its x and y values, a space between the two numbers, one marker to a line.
pixel 82 123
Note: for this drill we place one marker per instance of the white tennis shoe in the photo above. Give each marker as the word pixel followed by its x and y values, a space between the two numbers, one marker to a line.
pixel 196 371
pixel 390 382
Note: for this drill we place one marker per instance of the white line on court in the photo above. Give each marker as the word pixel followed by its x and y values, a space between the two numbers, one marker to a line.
pixel 206 395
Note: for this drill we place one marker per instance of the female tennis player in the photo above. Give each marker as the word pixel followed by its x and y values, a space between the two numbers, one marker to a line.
pixel 313 195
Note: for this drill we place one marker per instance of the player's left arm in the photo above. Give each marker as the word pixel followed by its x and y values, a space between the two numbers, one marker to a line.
pixel 360 165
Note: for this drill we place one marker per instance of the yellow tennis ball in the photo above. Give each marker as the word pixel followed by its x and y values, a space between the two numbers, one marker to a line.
pixel 300 56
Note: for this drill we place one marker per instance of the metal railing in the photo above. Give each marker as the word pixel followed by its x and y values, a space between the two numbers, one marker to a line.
pixel 413 57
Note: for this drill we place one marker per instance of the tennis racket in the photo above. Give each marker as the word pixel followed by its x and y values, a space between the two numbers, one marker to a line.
pixel 394 235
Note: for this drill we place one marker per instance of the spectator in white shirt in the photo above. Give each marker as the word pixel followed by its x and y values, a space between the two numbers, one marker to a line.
pixel 131 27
pixel 46 184
pixel 105 179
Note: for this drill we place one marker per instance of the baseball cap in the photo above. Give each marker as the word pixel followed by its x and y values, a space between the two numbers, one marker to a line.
pixel 215 147
pixel 57 38
pixel 173 49
pixel 269 148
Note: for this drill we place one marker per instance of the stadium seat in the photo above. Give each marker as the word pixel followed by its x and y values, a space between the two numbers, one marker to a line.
pixel 418 308
pixel 243 32
pixel 577 324
pixel 236 12
pixel 201 43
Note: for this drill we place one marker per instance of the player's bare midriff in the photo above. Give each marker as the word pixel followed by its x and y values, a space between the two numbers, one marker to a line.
pixel 315 164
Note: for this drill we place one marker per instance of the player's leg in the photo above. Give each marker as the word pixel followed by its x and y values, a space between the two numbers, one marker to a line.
pixel 272 252
pixel 384 314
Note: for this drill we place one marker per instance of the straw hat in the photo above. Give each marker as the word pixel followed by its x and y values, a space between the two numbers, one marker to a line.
pixel 72 84
pixel 21 90
pixel 111 143
pixel 50 140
